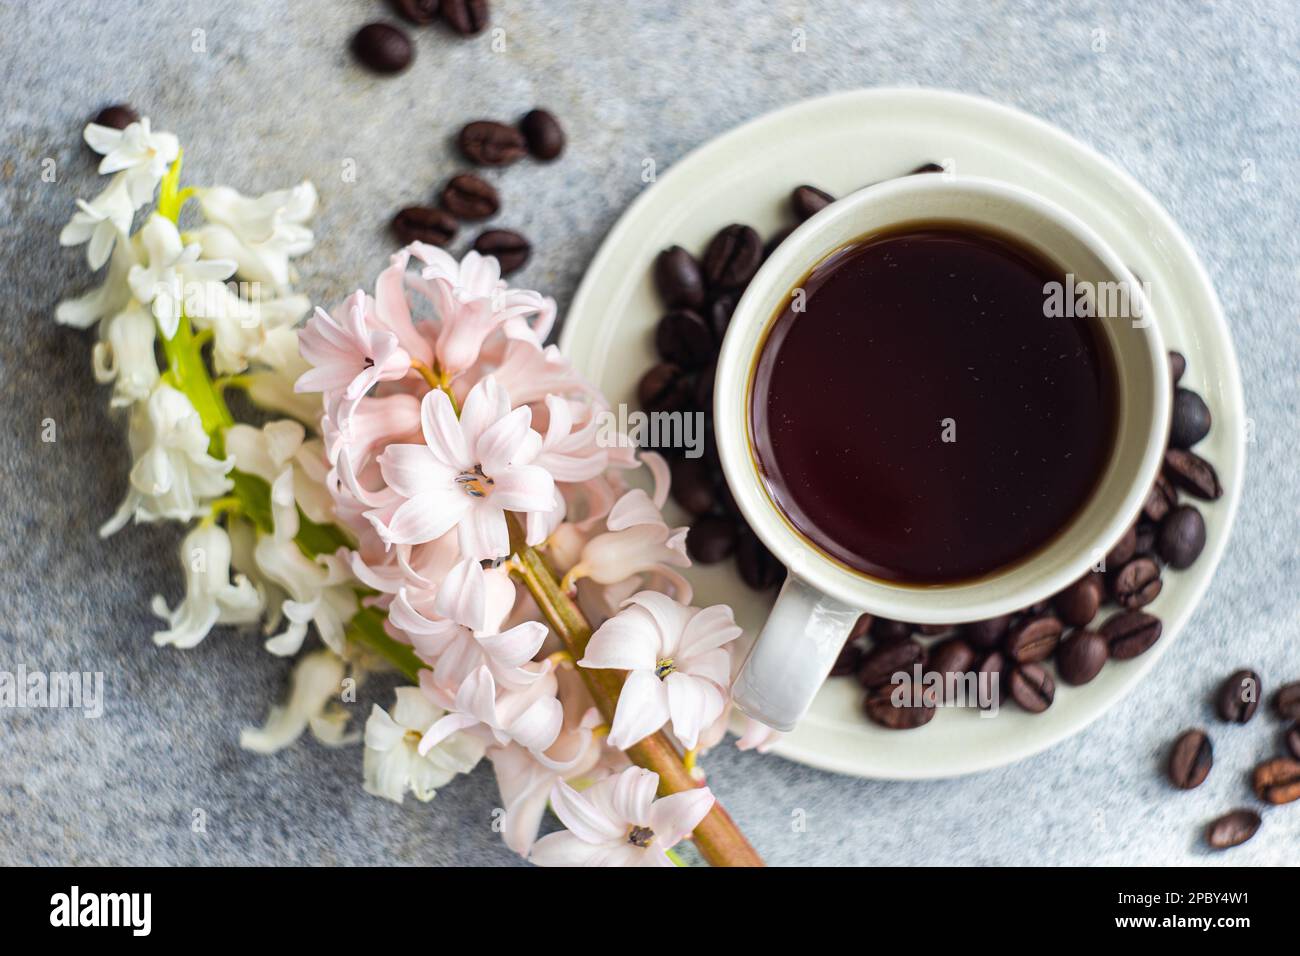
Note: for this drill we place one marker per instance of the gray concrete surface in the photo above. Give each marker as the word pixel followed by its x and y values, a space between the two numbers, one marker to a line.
pixel 1184 93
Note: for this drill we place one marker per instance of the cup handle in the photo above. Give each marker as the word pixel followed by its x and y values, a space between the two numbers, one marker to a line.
pixel 792 656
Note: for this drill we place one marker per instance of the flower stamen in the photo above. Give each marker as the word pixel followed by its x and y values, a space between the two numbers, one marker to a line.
pixel 665 667
pixel 640 836
pixel 474 482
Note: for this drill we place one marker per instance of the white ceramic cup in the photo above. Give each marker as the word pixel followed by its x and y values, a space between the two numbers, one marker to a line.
pixel 821 598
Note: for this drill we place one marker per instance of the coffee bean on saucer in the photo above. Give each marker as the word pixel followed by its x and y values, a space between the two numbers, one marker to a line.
pixel 664 388
pixel 847 662
pixel 1238 697
pixel 1032 687
pixel 1190 760
pixel 881 709
pixel 1277 781
pixel 1123 551
pixel 992 672
pixel 934 630
pixel 1081 657
pixel 692 485
pixel 543 133
pixel 704 388
pixel 117 116
pixel 732 258
pixel 1177 366
pixel 1293 741
pixel 862 629
pixel 1136 584
pixel 466 17
pixel 425 224
pixel 466 196
pixel 1034 640
pixel 986 634
pixel 1232 829
pixel 678 279
pixel 383 48
pixel 776 239
pixel 489 143
pixel 1182 537
pixel 951 658
pixel 1160 499
pixel 419 12
pixel 1191 419
pixel 1287 701
pixel 758 567
pixel 1144 542
pixel 719 315
pixel 711 539
pixel 1192 473
pixel 927 168
pixel 807 201
pixel 885 631
pixel 509 247
pixel 882 662
pixel 682 337
pixel 1078 604
pixel 1131 633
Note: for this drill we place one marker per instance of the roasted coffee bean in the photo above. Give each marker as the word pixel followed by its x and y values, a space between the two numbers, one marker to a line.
pixel 757 566
pixel 117 116
pixel 684 338
pixel 719 315
pixel 1136 584
pixel 883 661
pixel 466 17
pixel 1034 640
pixel 1130 633
pixel 881 709
pixel 1190 760
pixel 847 662
pixel 419 12
pixel 1032 687
pixel 711 539
pixel 776 239
pixel 692 485
pixel 1123 551
pixel 664 388
pixel 678 279
pixel 732 258
pixel 1182 537
pixel 986 634
pixel 1035 610
pixel 1177 366
pixel 1287 701
pixel 1144 544
pixel 951 658
pixel 934 630
pixel 992 674
pixel 468 197
pixel 927 168
pixel 1238 697
pixel 383 48
pixel 543 133
pixel 425 224
pixel 808 201
pixel 704 387
pixel 1277 781
pixel 1232 829
pixel 489 143
pixel 1160 499
pixel 1081 657
pixel 510 248
pixel 862 629
pixel 1191 419
pixel 1078 604
pixel 1293 741
pixel 1192 473
pixel 885 631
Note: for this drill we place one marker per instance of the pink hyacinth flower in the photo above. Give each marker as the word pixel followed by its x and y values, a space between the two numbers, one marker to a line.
pixel 349 355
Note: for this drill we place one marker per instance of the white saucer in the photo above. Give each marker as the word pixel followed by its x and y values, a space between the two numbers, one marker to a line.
pixel 840 143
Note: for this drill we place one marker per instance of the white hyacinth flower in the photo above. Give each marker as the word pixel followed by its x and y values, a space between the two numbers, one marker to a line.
pixel 174 271
pixel 312 703
pixel 101 222
pixel 240 325
pixel 109 298
pixel 277 365
pixel 392 765
pixel 210 595
pixel 173 476
pixel 139 154
pixel 259 233
pixel 268 450
pixel 125 356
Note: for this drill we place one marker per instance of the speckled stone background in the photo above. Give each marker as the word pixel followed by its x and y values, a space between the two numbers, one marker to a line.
pixel 264 93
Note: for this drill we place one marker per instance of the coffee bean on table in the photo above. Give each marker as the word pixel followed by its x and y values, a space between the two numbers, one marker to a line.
pixel 419 12
pixel 1238 697
pixel 758 567
pixel 1277 781
pixel 1232 829
pixel 1131 633
pixel 1078 604
pixel 807 201
pixel 880 708
pixel 776 239
pixel 1123 551
pixel 466 17
pixel 1191 419
pixel 1081 657
pixel 1032 687
pixel 1191 473
pixel 882 662
pixel 510 248
pixel 678 279
pixel 1177 366
pixel 1136 584
pixel 1182 537
pixel 543 133
pixel 1287 701
pixel 732 257
pixel 383 48
pixel 425 224
pixel 117 116
pixel 682 337
pixel 986 634
pixel 1160 499
pixel 711 539
pixel 664 388
pixel 1190 760
pixel 1293 741
pixel 467 196
pixel 885 631
pixel 1034 640
pixel 692 485
pixel 489 143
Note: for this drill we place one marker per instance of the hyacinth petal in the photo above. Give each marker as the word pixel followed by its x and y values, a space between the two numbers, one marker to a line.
pixel 628 641
pixel 495 447
pixel 526 488
pixel 634 791
pixel 710 628
pixel 674 817
pixel 642 709
pixel 670 617
pixel 483 532
pixel 563 849
pixel 516 646
pixel 694 704
pixel 442 431
pixel 412 470
pixel 462 596
pixel 444 728
pixel 538 726
pixel 634 508
pixel 583 817
pixel 714 666
pixel 425 517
